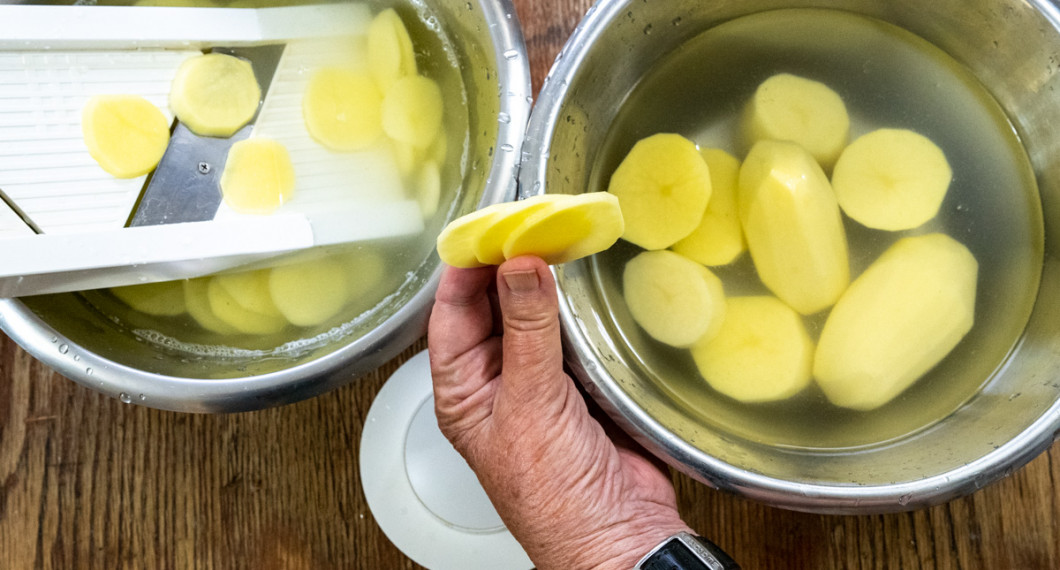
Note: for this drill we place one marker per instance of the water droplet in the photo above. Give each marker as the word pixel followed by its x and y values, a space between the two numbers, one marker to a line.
pixel 143 397
pixel 55 339
pixel 64 348
pixel 507 147
pixel 504 117
pixel 904 499
pixel 89 371
pixel 125 398
pixel 511 54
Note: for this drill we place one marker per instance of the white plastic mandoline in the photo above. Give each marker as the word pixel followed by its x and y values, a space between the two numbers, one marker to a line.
pixel 63 220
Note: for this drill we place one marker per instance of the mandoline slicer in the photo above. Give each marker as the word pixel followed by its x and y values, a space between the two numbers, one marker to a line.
pixel 66 225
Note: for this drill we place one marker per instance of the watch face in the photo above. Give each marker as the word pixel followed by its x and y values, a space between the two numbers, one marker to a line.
pixel 674 555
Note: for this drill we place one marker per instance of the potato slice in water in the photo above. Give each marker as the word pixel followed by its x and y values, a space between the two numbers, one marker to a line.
pixel 568 229
pixel 311 292
pixel 165 299
pixel 663 186
pixel 197 301
pixel 793 226
pixel 897 320
pixel 891 179
pixel 787 107
pixel 390 52
pixel 258 176
pixel 125 134
pixel 674 299
pixel 456 242
pixel 343 109
pixel 235 314
pixel 719 238
pixel 412 111
pixel 215 94
pixel 428 187
pixel 762 353
pixel 250 289
pixel 489 248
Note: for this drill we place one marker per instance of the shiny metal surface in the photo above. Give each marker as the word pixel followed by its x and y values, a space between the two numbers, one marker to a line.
pixel 66 333
pixel 1012 47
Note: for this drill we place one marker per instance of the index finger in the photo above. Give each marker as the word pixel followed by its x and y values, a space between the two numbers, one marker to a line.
pixel 462 317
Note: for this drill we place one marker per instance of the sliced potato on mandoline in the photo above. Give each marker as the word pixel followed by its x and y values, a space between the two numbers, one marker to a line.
pixel 125 134
pixel 761 353
pixel 343 109
pixel 310 292
pixel 215 94
pixel 163 299
pixel 663 186
pixel 674 299
pixel 576 227
pixel 891 179
pixel 718 240
pixel 793 226
pixel 791 108
pixel 489 247
pixel 258 176
pixel 897 320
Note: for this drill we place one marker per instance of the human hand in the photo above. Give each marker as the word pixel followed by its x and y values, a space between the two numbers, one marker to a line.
pixel 566 491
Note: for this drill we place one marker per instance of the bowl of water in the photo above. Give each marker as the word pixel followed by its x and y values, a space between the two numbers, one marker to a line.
pixel 979 79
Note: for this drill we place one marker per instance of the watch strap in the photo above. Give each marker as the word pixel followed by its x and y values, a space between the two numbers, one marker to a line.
pixel 686 551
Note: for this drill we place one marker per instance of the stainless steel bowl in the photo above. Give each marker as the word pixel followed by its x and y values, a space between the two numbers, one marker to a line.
pixel 73 337
pixel 1011 46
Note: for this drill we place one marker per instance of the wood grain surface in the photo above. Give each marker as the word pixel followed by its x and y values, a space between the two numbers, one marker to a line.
pixel 89 482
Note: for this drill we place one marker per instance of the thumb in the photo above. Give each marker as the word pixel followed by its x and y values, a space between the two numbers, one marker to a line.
pixel 533 353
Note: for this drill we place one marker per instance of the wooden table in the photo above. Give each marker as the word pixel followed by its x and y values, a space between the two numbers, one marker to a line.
pixel 89 482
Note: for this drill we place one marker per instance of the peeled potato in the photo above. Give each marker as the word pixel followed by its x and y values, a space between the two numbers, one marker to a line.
pixel 787 107
pixel 412 111
pixel 235 314
pixel 663 186
pixel 250 289
pixel 197 301
pixel 258 176
pixel 718 239
pixel 365 270
pixel 456 242
pixel 428 188
pixel 762 352
pixel 125 134
pixel 489 248
pixel 311 292
pixel 570 229
pixel 897 320
pixel 793 227
pixel 390 52
pixel 674 299
pixel 891 179
pixel 215 94
pixel 164 299
pixel 343 109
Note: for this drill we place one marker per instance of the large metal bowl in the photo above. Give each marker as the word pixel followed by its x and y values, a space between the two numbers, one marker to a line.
pixel 1012 47
pixel 73 337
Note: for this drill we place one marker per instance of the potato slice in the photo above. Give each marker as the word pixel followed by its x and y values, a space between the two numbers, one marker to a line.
pixel 250 289
pixel 125 134
pixel 897 320
pixel 428 187
pixel 365 270
pixel 891 179
pixel 311 292
pixel 232 313
pixel 663 186
pixel 456 242
pixel 793 226
pixel 719 238
pixel 762 353
pixel 412 111
pixel 489 248
pixel 164 299
pixel 787 107
pixel 215 94
pixel 343 109
pixel 568 229
pixel 390 52
pixel 197 302
pixel 258 176
pixel 674 299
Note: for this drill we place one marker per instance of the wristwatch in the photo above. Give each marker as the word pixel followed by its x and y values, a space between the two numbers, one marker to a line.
pixel 684 551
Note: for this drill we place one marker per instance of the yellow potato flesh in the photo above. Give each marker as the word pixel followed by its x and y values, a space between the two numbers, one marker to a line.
pixel 663 186
pixel 235 314
pixel 429 188
pixel 489 248
pixel 570 229
pixel 390 51
pixel 250 289
pixel 762 352
pixel 456 242
pixel 215 94
pixel 674 299
pixel 197 301
pixel 309 293
pixel 343 109
pixel 891 179
pixel 718 240
pixel 897 320
pixel 412 111
pixel 787 107
pixel 793 226
pixel 164 299
pixel 125 134
pixel 258 176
